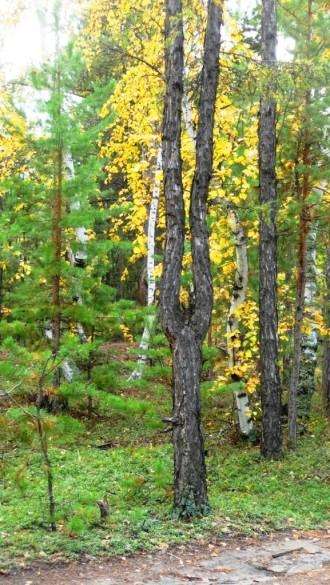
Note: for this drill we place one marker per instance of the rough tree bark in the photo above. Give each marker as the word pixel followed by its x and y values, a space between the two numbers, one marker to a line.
pixel 239 289
pixel 237 299
pixel 151 282
pixel 326 354
pixel 186 328
pixel 271 443
pixel 305 219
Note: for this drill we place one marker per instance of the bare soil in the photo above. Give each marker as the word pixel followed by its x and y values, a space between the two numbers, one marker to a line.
pixel 301 558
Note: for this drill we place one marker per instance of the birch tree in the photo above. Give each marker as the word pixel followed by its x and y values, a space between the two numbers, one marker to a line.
pixel 237 300
pixel 57 203
pixel 79 257
pixel 186 328
pixel 151 281
pixel 309 341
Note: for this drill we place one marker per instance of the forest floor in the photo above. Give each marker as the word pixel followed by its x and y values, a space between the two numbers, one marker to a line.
pixel 299 558
pixel 119 452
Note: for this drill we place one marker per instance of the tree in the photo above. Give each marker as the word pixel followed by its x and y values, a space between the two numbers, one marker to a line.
pixel 186 328
pixel 271 444
pixel 238 299
pixel 326 354
pixel 151 281
pixel 57 203
pixel 309 165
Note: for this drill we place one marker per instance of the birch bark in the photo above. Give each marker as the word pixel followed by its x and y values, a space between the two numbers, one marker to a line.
pixel 309 342
pixel 79 258
pixel 151 282
pixel 237 300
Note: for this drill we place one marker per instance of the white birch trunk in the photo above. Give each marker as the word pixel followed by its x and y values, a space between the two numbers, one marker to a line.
pixel 81 234
pixel 151 282
pixel 80 256
pixel 237 300
pixel 67 369
pixel 306 384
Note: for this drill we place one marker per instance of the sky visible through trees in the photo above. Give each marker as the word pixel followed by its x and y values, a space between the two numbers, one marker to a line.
pixel 164 269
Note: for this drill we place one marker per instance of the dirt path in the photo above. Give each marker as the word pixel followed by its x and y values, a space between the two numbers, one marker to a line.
pixel 299 559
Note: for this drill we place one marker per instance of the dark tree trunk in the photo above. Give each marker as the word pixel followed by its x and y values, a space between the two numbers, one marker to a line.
pixel 190 494
pixel 297 332
pixel 326 354
pixel 271 444
pixel 1 274
pixel 305 218
pixel 186 329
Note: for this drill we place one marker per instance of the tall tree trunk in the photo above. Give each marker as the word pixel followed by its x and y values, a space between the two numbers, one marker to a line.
pixel 186 328
pixel 237 300
pixel 79 258
pixel 1 272
pixel 304 221
pixel 57 203
pixel 271 443
pixel 326 353
pixel 309 342
pixel 303 192
pixel 57 230
pixel 151 282
pixel 239 289
pixel 1 291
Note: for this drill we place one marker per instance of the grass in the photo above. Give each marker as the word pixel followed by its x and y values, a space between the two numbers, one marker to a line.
pixel 247 494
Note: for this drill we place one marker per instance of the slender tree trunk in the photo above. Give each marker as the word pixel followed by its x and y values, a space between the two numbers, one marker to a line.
pixel 79 258
pixel 239 291
pixel 186 329
pixel 309 342
pixel 1 273
pixel 1 291
pixel 237 300
pixel 57 204
pixel 326 353
pixel 271 443
pixel 151 282
pixel 297 331
pixel 304 227
pixel 57 251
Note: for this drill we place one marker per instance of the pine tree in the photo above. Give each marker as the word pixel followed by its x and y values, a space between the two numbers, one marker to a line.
pixel 186 329
pixel 271 445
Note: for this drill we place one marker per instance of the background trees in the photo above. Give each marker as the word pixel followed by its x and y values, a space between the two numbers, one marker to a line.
pixel 80 281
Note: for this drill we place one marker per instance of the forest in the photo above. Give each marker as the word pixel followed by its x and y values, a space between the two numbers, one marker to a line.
pixel 164 275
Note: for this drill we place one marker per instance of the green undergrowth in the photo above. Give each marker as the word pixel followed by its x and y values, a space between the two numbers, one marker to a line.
pixel 247 494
